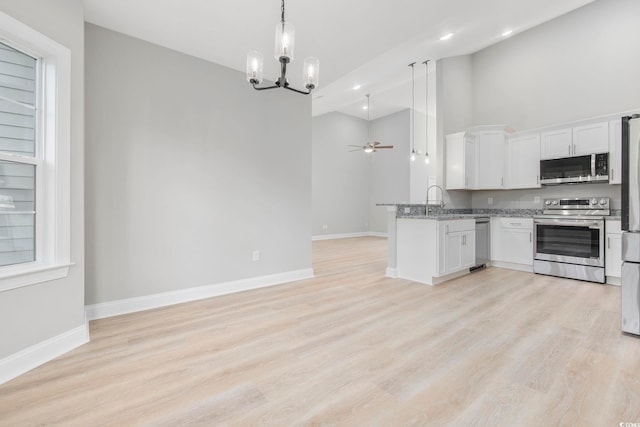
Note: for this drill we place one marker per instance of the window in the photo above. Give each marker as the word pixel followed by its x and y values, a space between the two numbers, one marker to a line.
pixel 34 156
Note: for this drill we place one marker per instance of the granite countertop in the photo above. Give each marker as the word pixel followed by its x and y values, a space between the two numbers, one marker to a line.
pixel 440 214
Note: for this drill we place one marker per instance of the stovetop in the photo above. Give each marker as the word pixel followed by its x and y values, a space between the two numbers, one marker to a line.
pixel 579 206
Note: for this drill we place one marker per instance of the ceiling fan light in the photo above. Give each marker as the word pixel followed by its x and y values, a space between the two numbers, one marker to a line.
pixel 369 149
pixel 426 158
pixel 255 67
pixel 311 72
pixel 413 155
pixel 285 38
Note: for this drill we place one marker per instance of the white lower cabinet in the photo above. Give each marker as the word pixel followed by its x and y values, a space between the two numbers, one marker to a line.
pixel 429 251
pixel 613 251
pixel 512 242
pixel 458 245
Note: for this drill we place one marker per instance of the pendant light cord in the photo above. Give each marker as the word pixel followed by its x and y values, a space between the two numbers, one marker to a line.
pixel 282 11
pixel 368 121
pixel 413 108
pixel 426 108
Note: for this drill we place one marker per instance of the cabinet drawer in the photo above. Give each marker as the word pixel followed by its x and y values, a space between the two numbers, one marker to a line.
pixel 459 225
pixel 517 223
pixel 613 226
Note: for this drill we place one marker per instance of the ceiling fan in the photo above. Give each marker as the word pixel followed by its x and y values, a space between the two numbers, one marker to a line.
pixel 370 147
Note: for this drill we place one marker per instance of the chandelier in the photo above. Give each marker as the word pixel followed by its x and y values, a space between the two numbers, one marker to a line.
pixel 284 54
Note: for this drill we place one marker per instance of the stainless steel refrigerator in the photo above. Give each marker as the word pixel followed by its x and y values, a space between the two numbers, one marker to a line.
pixel 631 224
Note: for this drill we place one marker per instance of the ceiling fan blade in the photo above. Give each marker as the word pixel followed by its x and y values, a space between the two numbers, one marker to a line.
pixel 384 146
pixel 376 143
pixel 357 149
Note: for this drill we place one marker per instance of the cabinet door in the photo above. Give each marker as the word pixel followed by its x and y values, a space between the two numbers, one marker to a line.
pixel 470 163
pixel 490 162
pixel 455 163
pixel 519 245
pixel 615 152
pixel 555 144
pixel 591 139
pixel 452 252
pixel 523 163
pixel 613 255
pixel 468 249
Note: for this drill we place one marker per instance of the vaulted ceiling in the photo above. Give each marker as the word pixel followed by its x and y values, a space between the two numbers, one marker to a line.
pixel 359 42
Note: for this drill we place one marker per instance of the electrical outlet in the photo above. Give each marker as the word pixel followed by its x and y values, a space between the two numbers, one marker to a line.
pixel 256 255
pixel 407 210
pixel 536 199
pixel 490 201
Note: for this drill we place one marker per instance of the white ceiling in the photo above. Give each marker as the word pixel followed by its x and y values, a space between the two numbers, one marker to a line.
pixel 363 42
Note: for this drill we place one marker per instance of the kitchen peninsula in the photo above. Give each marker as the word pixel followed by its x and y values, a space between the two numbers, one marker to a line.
pixel 437 245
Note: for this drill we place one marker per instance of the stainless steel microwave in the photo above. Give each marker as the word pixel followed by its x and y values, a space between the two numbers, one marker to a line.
pixel 572 170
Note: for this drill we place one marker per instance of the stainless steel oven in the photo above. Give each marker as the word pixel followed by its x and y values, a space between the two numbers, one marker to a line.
pixel 569 238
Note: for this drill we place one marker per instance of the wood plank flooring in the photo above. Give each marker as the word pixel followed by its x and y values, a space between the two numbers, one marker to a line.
pixel 351 347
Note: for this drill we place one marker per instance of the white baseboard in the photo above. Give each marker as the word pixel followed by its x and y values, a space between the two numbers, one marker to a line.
pixel 512 266
pixel 391 272
pixel 348 235
pixel 612 280
pixel 147 302
pixel 43 352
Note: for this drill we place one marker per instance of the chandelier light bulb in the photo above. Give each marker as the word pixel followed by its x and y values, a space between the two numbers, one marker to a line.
pixel 426 158
pixel 413 155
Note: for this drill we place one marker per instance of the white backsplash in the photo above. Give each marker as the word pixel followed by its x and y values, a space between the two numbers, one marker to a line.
pixel 526 199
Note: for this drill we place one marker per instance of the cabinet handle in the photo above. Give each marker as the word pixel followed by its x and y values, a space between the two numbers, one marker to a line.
pixel 515 223
pixel 530 237
pixel 569 149
pixel 574 148
pixel 502 182
pixel 537 179
pixel 608 242
pixel 446 227
pixel 613 173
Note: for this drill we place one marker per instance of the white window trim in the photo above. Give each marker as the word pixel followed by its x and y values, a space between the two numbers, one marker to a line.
pixel 53 196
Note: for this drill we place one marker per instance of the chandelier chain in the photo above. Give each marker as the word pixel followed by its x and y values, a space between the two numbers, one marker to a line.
pixel 282 8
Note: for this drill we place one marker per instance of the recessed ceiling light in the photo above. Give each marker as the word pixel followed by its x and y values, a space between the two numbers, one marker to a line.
pixel 356 87
pixel 507 33
pixel 446 37
pixel 364 107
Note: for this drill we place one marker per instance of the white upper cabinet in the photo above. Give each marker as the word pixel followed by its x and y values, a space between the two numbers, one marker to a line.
pixel 556 144
pixel 615 152
pixel 490 165
pixel 577 141
pixel 591 139
pixel 460 161
pixel 523 161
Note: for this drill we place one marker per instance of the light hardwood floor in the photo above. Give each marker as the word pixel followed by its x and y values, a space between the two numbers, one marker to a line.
pixel 351 347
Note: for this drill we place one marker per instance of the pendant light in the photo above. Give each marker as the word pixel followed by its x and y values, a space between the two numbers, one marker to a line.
pixel 284 54
pixel 413 114
pixel 426 107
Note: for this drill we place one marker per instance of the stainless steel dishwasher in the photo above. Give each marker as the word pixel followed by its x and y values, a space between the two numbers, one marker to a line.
pixel 483 247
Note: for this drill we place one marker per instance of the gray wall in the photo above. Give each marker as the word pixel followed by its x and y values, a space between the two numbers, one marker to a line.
pixel 188 171
pixel 390 168
pixel 32 314
pixel 341 179
pixel 580 65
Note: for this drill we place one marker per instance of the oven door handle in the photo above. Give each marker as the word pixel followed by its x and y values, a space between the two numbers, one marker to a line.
pixel 570 223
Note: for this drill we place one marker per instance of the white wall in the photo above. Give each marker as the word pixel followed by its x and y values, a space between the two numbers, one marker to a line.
pixel 580 65
pixel 341 179
pixel 33 314
pixel 189 170
pixel 390 168
pixel 454 113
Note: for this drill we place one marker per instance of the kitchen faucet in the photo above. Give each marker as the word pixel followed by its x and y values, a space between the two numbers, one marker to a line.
pixel 441 199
